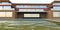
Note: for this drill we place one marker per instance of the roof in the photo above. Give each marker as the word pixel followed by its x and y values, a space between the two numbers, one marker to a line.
pixel 32 1
pixel 56 0
pixel 4 0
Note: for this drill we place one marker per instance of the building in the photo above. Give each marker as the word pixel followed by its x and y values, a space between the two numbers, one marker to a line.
pixel 6 9
pixel 56 8
pixel 14 10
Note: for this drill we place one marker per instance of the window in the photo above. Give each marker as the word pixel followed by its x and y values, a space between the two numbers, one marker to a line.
pixel 40 6
pixel 2 14
pixel 31 10
pixel 43 6
pixel 1 7
pixel 19 6
pixel 0 3
pixel 56 8
pixel 6 3
pixel 31 6
pixel 6 8
pixel 6 14
pixel 56 14
pixel 56 3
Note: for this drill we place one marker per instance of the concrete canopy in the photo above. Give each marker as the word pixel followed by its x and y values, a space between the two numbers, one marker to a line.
pixel 32 1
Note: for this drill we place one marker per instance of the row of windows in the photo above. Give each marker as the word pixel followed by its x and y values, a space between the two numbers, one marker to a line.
pixel 6 14
pixel 56 7
pixel 56 3
pixel 31 6
pixel 5 3
pixel 31 10
pixel 56 14
pixel 6 8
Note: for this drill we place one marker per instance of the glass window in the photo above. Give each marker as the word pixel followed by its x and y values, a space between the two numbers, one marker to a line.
pixel 56 3
pixel 31 10
pixel 31 6
pixel 27 6
pixel 56 8
pixel 1 7
pixel 0 3
pixel 56 14
pixel 8 14
pixel 43 6
pixel 6 3
pixel 2 14
pixel 19 6
pixel 7 6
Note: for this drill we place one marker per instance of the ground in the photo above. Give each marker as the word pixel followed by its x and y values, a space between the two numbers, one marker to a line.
pixel 28 24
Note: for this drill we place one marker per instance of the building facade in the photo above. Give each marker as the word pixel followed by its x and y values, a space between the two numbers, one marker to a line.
pixel 14 10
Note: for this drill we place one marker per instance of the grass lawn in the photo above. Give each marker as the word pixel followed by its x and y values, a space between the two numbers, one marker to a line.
pixel 4 26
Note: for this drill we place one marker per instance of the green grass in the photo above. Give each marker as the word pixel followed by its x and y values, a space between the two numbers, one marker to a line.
pixel 30 28
pixel 25 27
pixel 58 23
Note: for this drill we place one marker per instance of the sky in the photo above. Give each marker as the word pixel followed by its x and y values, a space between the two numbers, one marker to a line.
pixel 31 1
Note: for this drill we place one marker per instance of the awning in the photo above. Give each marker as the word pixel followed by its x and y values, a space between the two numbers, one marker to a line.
pixel 32 1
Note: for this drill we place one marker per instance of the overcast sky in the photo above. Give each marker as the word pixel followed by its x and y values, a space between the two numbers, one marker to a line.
pixel 31 1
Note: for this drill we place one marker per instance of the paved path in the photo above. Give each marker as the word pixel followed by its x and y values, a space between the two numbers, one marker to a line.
pixel 55 19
